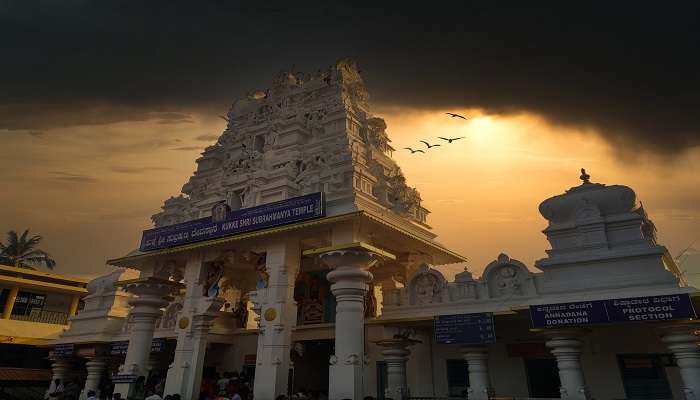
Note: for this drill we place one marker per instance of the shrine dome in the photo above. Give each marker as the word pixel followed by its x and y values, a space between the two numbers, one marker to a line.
pixel 588 198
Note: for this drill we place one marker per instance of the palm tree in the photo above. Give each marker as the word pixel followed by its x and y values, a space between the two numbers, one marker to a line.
pixel 21 252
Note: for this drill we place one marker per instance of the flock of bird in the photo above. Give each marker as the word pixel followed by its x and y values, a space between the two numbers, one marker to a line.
pixel 448 140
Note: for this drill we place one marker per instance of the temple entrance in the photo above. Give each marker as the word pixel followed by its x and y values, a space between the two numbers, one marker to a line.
pixel 310 372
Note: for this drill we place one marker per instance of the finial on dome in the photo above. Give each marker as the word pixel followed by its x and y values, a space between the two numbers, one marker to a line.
pixel 584 176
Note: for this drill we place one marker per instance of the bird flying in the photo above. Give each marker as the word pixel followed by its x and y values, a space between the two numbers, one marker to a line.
pixel 414 151
pixel 450 140
pixel 453 115
pixel 428 144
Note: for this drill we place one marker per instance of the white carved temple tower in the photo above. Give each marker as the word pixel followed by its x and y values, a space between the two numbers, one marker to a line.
pixel 307 133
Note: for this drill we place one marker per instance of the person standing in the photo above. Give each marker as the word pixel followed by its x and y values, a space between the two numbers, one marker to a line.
pixel 55 390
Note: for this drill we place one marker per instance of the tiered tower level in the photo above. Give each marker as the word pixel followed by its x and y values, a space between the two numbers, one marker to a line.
pixel 307 133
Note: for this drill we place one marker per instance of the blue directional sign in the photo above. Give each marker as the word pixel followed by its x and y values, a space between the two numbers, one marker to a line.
pixel 63 350
pixel 648 308
pixel 227 223
pixel 568 314
pixel 652 308
pixel 122 346
pixel 464 328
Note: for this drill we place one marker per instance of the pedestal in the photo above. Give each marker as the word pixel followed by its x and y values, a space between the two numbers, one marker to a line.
pixel 395 355
pixel 349 276
pixel 682 340
pixel 477 358
pixel 278 316
pixel 566 348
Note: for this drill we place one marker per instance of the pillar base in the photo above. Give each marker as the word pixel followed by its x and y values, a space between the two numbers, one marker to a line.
pixel 345 381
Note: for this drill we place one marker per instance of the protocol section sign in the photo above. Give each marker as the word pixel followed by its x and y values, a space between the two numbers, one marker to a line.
pixel 465 328
pixel 635 309
pixel 654 308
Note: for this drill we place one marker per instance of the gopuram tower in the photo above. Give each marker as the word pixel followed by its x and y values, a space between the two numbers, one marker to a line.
pixel 307 133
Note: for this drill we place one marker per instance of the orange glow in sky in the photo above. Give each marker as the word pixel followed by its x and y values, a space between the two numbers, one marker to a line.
pixel 90 190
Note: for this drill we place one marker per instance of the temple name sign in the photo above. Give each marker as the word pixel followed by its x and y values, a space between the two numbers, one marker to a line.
pixel 224 222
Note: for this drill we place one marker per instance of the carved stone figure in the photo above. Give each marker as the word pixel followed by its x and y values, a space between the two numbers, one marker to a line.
pixel 507 281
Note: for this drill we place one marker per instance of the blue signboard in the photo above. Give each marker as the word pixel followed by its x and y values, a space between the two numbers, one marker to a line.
pixel 226 223
pixel 650 308
pixel 464 328
pixel 124 378
pixel 63 350
pixel 122 346
pixel 653 308
pixel 568 314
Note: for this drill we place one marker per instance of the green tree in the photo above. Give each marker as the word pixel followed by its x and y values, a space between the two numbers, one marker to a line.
pixel 22 252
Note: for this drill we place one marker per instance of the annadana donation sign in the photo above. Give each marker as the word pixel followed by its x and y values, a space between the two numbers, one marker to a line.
pixel 226 223
pixel 635 309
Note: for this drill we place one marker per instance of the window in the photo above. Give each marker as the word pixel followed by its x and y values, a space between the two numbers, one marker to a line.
pixel 26 302
pixel 643 376
pixel 381 379
pixel 457 378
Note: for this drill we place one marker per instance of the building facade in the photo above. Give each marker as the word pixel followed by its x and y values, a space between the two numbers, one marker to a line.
pixel 37 307
pixel 298 254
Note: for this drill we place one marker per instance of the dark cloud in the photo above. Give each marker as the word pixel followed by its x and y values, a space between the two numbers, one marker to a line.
pixel 68 177
pixel 38 114
pixel 187 148
pixel 207 138
pixel 136 170
pixel 627 69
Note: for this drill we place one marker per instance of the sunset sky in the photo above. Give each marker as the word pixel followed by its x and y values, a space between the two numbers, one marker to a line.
pixel 104 109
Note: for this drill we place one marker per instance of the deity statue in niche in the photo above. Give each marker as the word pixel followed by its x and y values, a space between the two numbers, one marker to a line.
pixel 171 312
pixel 262 276
pixel 240 312
pixel 211 282
pixel 370 302
pixel 507 281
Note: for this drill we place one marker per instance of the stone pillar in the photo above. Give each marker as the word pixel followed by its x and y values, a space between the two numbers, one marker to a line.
pixel 682 340
pixel 349 276
pixel 279 313
pixel 146 309
pixel 10 303
pixel 395 355
pixel 94 367
pixel 565 345
pixel 59 369
pixel 478 366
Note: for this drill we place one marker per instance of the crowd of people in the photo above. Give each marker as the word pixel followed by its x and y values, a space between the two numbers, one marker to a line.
pixel 229 386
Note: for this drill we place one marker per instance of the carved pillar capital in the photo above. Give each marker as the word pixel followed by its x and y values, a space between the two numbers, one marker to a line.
pixel 682 340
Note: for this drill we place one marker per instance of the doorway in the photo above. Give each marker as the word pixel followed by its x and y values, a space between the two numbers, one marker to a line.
pixel 311 359
pixel 542 377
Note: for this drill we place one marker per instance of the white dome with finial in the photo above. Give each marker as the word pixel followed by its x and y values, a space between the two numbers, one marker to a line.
pixel 588 199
